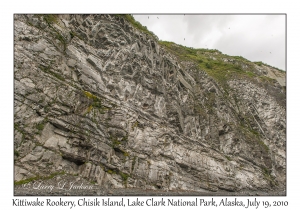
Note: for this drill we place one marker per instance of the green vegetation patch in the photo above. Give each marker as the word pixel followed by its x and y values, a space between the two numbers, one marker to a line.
pixel 199 109
pixel 16 153
pixel 267 79
pixel 267 175
pixel 40 126
pixel 124 176
pixel 114 141
pixel 138 25
pixel 134 125
pixel 47 69
pixel 62 39
pixel 111 171
pixel 115 144
pixel 263 145
pixel 253 135
pixel 25 181
pixel 228 158
pixel 74 34
pixel 96 103
pixel 50 19
pixel 20 130
pixel 133 163
pixel 260 63
pixel 220 66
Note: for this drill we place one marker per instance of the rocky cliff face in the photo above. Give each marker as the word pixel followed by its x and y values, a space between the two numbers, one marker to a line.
pixel 98 99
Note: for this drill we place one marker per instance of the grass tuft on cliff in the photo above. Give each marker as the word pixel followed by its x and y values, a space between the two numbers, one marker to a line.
pixel 220 66
pixel 138 25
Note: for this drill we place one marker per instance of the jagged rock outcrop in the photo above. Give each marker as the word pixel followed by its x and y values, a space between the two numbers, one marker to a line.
pixel 97 98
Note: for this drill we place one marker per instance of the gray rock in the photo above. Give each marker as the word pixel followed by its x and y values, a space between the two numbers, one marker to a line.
pixel 99 100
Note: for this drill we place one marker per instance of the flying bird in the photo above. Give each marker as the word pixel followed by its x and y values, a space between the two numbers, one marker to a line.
pixel 148 17
pixel 184 38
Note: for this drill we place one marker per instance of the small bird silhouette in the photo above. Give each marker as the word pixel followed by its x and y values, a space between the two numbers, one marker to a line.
pixel 184 38
pixel 148 17
pixel 157 18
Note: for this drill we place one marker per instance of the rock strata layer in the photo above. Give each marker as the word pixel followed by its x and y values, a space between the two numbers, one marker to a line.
pixel 96 98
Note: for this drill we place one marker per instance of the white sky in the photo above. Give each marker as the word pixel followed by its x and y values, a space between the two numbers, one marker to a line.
pixel 254 37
